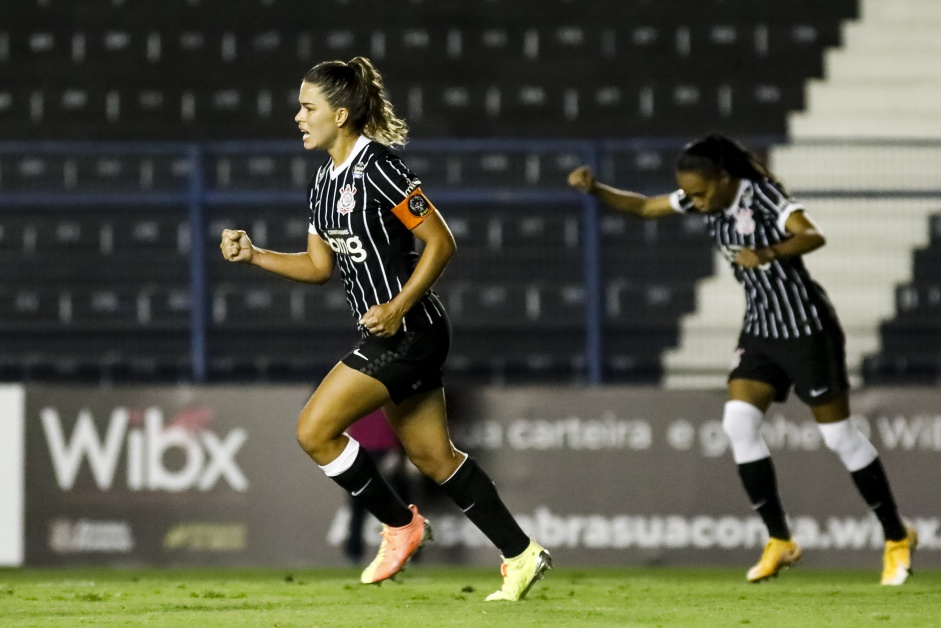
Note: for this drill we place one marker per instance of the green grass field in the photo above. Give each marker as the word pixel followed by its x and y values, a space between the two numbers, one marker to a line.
pixel 435 596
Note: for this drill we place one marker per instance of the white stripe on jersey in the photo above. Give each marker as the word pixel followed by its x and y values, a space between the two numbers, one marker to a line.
pixel 373 243
pixel 368 178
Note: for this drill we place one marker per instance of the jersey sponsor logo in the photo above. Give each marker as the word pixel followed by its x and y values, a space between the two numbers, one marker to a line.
pixel 358 170
pixel 418 206
pixel 744 221
pixel 351 246
pixel 347 199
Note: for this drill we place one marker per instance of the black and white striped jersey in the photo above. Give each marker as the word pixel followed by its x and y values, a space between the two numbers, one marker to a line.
pixel 782 301
pixel 364 209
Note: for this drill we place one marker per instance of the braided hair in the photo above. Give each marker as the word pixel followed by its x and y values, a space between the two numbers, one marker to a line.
pixel 357 86
pixel 716 154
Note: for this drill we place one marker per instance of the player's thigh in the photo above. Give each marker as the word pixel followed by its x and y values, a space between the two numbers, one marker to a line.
pixel 344 396
pixel 421 424
pixel 755 392
pixel 832 411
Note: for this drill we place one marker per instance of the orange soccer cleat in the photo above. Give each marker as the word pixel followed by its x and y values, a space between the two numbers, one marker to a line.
pixel 397 547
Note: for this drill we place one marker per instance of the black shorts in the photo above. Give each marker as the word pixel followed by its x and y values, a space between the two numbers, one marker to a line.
pixel 815 365
pixel 408 363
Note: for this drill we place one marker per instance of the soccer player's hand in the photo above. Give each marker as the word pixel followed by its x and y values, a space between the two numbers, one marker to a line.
pixel 382 320
pixel 751 258
pixel 582 179
pixel 236 246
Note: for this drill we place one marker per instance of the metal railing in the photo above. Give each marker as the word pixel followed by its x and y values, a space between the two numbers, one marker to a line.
pixel 197 193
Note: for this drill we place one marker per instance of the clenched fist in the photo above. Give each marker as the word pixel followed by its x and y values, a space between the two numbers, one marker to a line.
pixel 236 246
pixel 582 179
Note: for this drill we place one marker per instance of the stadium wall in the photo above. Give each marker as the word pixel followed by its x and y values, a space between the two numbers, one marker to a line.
pixel 182 476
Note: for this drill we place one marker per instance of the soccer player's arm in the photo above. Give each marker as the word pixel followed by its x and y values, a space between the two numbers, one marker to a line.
pixel 804 237
pixel 421 218
pixel 315 265
pixel 583 180
pixel 439 247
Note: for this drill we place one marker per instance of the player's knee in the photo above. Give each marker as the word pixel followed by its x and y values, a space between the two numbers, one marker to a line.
pixel 741 421
pixel 844 438
pixel 312 434
pixel 438 466
pixel 742 424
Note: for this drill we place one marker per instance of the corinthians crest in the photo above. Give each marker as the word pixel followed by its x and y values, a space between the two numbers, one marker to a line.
pixel 744 221
pixel 346 201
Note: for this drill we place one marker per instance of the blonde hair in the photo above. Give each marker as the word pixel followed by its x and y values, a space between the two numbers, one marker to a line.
pixel 356 85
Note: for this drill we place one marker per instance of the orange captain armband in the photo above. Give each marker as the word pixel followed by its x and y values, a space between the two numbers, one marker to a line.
pixel 414 209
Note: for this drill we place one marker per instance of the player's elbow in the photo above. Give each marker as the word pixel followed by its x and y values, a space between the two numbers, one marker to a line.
pixel 450 247
pixel 443 247
pixel 319 277
pixel 816 239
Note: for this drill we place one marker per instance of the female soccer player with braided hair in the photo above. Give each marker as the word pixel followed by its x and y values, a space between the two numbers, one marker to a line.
pixel 790 336
pixel 366 209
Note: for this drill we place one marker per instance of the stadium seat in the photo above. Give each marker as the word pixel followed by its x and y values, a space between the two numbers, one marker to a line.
pixel 37 172
pixel 261 171
pixel 165 306
pixel 29 307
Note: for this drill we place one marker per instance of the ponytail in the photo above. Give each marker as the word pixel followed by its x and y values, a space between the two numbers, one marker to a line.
pixel 716 154
pixel 357 86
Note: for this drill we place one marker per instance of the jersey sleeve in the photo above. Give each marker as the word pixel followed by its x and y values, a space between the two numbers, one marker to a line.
pixel 402 189
pixel 312 196
pixel 311 228
pixel 680 202
pixel 783 204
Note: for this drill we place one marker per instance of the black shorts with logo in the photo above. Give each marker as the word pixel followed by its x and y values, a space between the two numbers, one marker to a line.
pixel 408 363
pixel 815 365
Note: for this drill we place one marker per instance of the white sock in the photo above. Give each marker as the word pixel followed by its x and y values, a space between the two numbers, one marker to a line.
pixel 344 461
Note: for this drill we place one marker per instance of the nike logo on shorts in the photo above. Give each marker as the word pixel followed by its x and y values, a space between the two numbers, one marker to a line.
pixel 816 392
pixel 356 352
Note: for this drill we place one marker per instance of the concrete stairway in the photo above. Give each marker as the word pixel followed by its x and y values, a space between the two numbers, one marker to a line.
pixel 885 83
pixel 886 79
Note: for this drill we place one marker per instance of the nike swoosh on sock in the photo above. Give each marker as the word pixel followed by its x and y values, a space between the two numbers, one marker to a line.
pixel 356 493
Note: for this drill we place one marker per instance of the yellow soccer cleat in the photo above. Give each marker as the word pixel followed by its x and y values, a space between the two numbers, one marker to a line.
pixel 778 555
pixel 521 572
pixel 397 547
pixel 897 559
